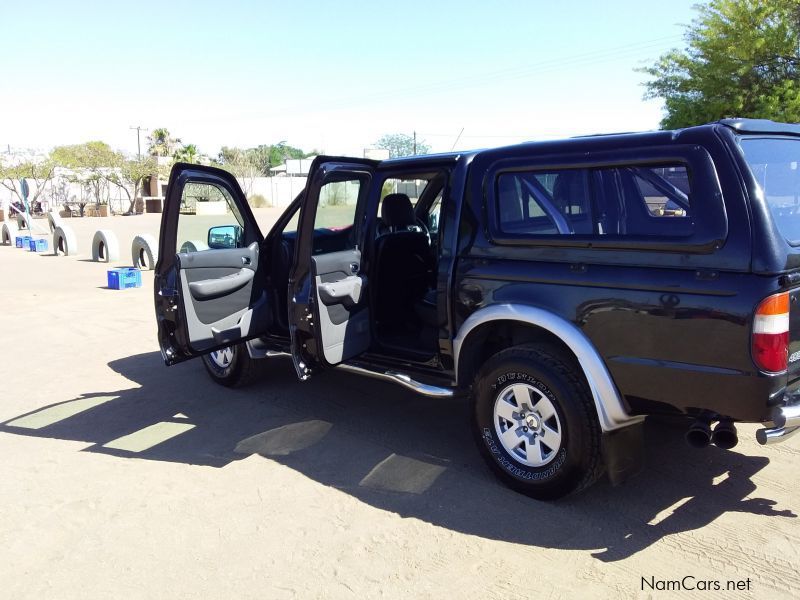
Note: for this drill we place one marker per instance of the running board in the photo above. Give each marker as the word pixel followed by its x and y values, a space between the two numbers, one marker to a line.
pixel 424 389
pixel 401 379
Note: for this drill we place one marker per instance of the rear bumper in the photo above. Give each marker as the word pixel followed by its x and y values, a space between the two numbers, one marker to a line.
pixel 785 423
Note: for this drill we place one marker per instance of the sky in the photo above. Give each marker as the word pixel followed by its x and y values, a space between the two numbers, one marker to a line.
pixel 329 75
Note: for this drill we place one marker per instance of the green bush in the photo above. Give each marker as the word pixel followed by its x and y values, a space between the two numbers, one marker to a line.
pixel 257 201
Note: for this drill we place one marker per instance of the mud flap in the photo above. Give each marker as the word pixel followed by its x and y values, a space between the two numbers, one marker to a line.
pixel 623 452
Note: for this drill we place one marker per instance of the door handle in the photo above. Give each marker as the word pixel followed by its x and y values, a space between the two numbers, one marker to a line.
pixel 209 289
pixel 346 291
pixel 354 268
pixel 245 260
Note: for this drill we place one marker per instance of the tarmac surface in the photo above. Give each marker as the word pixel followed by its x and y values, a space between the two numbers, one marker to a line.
pixel 124 478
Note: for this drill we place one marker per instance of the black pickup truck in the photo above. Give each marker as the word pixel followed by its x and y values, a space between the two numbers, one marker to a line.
pixel 568 288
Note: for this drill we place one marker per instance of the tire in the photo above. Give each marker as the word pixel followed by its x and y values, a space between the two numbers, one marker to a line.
pixel 105 247
pixel 53 221
pixel 233 369
pixel 64 241
pixel 8 233
pixel 559 452
pixel 193 246
pixel 23 221
pixel 144 252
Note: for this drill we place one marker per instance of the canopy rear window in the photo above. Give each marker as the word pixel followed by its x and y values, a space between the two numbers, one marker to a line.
pixel 775 164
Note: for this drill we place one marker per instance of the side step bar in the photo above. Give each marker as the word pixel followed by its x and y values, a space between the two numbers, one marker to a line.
pixel 785 423
pixel 424 389
pixel 401 379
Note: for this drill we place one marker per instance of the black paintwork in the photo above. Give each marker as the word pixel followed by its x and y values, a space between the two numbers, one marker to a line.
pixel 671 318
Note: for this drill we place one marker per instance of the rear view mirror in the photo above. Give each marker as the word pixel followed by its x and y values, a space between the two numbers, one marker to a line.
pixel 224 236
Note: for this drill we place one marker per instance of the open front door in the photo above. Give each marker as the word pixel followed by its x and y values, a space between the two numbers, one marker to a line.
pixel 328 299
pixel 209 279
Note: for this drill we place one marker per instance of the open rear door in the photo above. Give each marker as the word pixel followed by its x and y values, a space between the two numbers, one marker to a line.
pixel 328 300
pixel 209 279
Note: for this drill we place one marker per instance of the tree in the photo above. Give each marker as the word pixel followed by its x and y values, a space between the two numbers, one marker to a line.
pixel 742 59
pixel 39 171
pixel 160 143
pixel 280 152
pixel 261 158
pixel 243 166
pixel 187 153
pixel 129 174
pixel 400 144
pixel 90 163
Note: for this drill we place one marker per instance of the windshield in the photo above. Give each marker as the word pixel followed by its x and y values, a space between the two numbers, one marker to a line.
pixel 774 163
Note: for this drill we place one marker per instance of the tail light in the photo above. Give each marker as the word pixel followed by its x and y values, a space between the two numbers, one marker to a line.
pixel 771 333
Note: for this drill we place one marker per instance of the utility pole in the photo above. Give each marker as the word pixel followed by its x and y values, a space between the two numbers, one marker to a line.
pixel 415 143
pixel 138 129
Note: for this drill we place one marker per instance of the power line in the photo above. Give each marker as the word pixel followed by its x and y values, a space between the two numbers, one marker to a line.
pixel 536 68
pixel 580 59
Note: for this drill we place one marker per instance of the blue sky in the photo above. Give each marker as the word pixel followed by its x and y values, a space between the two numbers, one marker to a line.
pixel 332 75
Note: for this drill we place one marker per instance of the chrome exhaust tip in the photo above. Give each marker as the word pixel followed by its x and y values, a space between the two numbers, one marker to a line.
pixel 785 423
pixel 699 434
pixel 787 416
pixel 725 435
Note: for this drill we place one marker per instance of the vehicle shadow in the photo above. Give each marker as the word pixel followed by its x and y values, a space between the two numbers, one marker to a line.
pixel 395 451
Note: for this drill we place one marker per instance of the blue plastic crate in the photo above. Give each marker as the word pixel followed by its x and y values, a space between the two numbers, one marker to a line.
pixel 37 245
pixel 22 241
pixel 124 278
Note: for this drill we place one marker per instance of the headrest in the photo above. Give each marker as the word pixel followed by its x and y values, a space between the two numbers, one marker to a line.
pixel 568 189
pixel 396 211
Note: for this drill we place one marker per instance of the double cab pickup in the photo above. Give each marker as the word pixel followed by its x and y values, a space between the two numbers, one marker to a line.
pixel 568 289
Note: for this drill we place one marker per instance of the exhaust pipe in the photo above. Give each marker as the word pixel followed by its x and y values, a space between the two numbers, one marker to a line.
pixel 724 435
pixel 785 423
pixel 787 416
pixel 699 434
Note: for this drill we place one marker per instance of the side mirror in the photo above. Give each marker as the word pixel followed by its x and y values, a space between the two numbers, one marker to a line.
pixel 224 236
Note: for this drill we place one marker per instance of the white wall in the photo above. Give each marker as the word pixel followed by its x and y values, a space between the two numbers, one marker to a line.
pixel 279 191
pixel 59 189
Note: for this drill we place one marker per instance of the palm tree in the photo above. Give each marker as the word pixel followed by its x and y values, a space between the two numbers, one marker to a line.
pixel 160 142
pixel 187 153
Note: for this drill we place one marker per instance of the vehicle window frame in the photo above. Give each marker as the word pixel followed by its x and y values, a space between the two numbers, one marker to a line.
pixel 168 232
pixel 227 197
pixel 354 230
pixel 709 217
pixel 423 202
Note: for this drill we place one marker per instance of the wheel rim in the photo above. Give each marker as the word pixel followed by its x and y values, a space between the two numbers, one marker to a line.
pixel 222 358
pixel 527 425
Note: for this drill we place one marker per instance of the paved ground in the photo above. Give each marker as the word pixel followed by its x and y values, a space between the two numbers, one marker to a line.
pixel 123 478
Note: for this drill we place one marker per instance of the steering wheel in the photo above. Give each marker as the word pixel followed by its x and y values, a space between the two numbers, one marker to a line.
pixel 423 227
